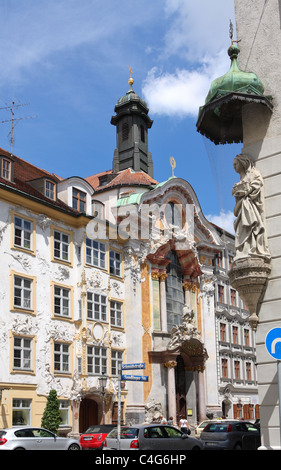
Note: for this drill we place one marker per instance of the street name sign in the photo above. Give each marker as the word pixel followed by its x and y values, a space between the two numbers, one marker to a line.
pixel 135 378
pixel 138 365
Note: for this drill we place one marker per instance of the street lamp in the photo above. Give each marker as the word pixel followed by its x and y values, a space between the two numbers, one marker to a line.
pixel 102 382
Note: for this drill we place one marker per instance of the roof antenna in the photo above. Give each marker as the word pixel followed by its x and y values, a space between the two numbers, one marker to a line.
pixel 14 120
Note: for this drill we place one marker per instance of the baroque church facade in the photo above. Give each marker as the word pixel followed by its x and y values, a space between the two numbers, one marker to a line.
pixel 113 269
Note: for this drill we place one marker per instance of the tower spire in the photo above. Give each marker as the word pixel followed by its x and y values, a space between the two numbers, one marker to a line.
pixel 132 123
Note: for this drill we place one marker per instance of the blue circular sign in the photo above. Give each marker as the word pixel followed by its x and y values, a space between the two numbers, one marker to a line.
pixel 273 343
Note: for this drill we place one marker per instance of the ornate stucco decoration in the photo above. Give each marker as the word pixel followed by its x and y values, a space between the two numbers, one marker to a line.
pixel 185 332
pixel 252 261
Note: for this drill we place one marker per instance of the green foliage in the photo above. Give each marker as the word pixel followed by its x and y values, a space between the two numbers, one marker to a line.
pixel 51 417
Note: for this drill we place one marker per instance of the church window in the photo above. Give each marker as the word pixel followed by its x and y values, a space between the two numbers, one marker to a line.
pixel 174 292
pixel 173 214
pixel 115 259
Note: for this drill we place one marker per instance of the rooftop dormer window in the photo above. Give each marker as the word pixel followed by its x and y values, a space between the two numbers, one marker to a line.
pixel 6 168
pixel 50 189
pixel 79 200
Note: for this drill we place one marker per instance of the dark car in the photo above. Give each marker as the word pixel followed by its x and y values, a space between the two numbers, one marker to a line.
pixel 231 435
pixel 94 436
pixel 151 437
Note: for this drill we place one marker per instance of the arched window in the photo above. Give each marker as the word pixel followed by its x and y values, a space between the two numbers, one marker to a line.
pixel 173 214
pixel 174 292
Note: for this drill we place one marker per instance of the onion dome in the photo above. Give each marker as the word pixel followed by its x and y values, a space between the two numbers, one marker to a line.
pixel 220 119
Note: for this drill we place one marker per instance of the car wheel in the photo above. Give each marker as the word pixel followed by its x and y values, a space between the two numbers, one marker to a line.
pixel 74 447
pixel 237 447
pixel 196 448
pixel 19 448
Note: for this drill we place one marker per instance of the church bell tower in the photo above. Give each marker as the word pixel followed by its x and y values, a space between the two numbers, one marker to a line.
pixel 132 123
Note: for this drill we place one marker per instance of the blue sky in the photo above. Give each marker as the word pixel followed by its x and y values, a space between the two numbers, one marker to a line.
pixel 68 61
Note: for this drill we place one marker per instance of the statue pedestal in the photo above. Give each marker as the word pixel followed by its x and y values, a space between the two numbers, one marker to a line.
pixel 249 276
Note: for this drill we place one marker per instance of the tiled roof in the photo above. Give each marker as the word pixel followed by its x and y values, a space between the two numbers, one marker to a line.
pixel 126 177
pixel 24 173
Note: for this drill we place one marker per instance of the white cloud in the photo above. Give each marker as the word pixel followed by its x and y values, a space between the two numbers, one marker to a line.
pixel 224 220
pixel 198 29
pixel 198 37
pixel 182 92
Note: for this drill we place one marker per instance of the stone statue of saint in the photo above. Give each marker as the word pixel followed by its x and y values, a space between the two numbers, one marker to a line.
pixel 250 236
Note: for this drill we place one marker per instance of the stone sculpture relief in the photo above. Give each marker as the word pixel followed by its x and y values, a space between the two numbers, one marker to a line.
pixel 250 234
pixel 251 265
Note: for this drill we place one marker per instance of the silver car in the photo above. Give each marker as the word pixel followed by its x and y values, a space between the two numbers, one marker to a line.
pixel 29 438
pixel 151 437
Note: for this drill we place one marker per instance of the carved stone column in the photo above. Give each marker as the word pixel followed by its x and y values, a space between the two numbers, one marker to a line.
pixel 172 406
pixel 201 396
pixel 163 305
pixel 187 284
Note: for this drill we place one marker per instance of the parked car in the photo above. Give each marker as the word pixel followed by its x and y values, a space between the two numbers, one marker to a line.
pixel 231 435
pixel 200 428
pixel 203 424
pixel 94 436
pixel 29 438
pixel 151 437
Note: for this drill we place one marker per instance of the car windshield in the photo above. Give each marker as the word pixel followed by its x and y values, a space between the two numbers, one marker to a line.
pixel 125 433
pixel 216 427
pixel 2 433
pixel 98 429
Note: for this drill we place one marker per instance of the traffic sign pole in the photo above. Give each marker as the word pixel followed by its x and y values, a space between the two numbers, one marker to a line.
pixel 273 346
pixel 119 409
pixel 279 393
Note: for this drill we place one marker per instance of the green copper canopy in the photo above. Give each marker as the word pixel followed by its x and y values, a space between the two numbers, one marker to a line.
pixel 235 80
pixel 220 119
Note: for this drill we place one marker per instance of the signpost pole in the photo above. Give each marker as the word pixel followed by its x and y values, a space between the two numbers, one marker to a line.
pixel 279 393
pixel 119 409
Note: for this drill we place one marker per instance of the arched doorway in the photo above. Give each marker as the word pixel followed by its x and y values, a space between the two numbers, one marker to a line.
pixel 88 414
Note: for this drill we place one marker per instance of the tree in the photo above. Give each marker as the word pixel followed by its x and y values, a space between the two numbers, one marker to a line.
pixel 51 417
